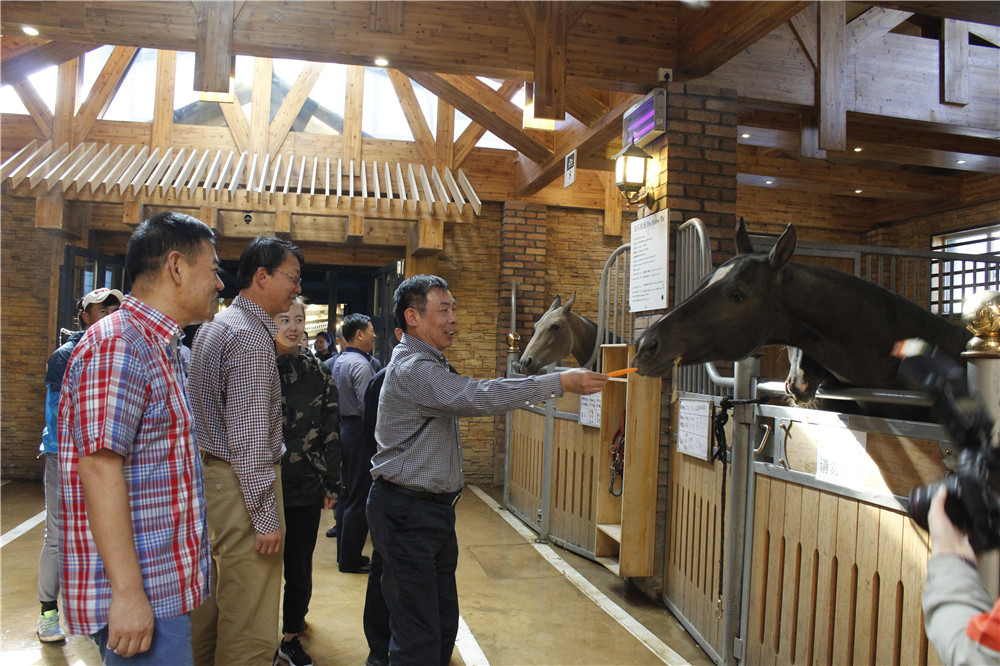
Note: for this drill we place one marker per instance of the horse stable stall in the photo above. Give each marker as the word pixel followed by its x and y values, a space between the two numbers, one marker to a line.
pixel 801 551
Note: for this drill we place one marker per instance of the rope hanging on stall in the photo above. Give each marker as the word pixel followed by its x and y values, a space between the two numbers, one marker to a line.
pixel 618 460
pixel 719 430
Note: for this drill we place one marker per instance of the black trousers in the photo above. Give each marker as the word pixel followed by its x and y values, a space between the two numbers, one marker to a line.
pixel 376 615
pixel 357 478
pixel 419 550
pixel 301 525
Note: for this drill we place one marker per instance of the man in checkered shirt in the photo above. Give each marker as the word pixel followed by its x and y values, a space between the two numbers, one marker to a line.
pixel 133 542
pixel 236 400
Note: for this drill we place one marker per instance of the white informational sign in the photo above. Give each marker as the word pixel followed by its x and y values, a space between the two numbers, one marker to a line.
pixel 842 457
pixel 590 410
pixel 694 427
pixel 569 170
pixel 648 263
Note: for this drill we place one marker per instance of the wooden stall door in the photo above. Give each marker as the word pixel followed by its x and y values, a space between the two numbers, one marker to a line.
pixel 834 581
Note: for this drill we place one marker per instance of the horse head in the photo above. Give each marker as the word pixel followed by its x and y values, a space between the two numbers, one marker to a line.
pixel 552 340
pixel 728 317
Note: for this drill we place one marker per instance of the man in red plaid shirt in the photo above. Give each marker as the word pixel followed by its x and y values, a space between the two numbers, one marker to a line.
pixel 133 544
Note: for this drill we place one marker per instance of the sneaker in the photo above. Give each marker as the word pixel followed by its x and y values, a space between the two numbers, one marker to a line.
pixel 292 652
pixel 48 628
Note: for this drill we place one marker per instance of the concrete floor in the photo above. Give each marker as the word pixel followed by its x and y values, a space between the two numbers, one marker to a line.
pixel 519 608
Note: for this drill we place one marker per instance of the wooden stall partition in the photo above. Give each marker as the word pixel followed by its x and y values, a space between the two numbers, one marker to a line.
pixel 833 581
pixel 694 528
pixel 577 454
pixel 524 475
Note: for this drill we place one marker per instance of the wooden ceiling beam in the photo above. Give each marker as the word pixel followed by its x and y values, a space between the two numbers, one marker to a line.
pixel 550 60
pixel 757 162
pixel 532 178
pixel 831 102
pixel 213 53
pixel 103 91
pixel 353 107
pixel 414 114
pixel 974 12
pixel 711 36
pixel 483 105
pixel 474 132
pixel 37 110
pixel 604 48
pixel 25 62
pixel 292 104
pixel 873 150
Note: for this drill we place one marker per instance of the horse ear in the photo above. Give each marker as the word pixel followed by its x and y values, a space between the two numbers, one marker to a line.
pixel 555 303
pixel 783 250
pixel 743 244
pixel 569 303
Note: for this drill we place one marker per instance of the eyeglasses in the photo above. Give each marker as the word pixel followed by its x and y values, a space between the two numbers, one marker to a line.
pixel 297 279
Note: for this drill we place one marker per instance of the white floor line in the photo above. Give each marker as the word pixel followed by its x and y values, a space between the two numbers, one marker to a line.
pixel 633 626
pixel 467 646
pixel 21 529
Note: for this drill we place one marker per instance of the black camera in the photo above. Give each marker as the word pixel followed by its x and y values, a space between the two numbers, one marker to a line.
pixel 973 501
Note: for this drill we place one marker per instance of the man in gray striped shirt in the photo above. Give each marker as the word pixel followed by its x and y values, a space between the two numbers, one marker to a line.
pixel 417 469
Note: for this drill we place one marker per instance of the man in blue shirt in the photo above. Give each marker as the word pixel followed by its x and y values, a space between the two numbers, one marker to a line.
pixel 90 309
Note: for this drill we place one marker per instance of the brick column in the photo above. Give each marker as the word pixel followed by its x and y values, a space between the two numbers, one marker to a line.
pixel 697 178
pixel 522 259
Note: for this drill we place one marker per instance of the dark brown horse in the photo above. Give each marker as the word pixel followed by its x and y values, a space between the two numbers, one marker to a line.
pixel 842 324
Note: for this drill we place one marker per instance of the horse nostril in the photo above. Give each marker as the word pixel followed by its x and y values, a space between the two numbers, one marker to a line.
pixel 648 348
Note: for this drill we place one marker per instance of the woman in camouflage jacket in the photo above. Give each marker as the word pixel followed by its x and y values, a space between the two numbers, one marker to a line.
pixel 310 468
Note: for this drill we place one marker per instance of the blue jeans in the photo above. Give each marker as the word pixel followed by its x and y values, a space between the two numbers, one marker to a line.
pixel 419 549
pixel 171 645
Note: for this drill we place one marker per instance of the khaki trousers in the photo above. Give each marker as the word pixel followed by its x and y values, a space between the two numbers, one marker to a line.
pixel 238 623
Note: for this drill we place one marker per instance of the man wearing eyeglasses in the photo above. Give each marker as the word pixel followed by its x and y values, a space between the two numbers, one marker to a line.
pixel 236 399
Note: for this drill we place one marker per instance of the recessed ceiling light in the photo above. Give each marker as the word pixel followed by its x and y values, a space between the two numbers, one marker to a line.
pixel 768 182
pixel 381 61
pixel 745 135
pixel 858 149
pixel 28 30
pixel 858 191
pixel 959 161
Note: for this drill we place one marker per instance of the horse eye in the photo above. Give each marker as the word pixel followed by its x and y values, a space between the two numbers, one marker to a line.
pixel 555 327
pixel 737 296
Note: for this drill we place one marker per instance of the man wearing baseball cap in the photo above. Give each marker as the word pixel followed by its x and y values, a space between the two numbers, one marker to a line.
pixel 90 309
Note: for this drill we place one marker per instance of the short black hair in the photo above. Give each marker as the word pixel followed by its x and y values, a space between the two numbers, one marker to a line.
pixel 326 335
pixel 267 252
pixel 353 323
pixel 160 235
pixel 412 293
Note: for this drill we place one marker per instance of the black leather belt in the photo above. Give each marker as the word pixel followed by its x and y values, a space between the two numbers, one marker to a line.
pixel 437 498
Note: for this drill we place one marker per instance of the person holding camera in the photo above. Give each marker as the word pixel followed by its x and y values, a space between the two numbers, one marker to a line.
pixel 958 618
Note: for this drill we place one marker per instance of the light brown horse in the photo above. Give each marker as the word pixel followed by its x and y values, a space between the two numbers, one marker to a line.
pixel 559 333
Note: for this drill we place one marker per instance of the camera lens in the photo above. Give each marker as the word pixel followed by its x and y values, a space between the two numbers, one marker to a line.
pixel 920 503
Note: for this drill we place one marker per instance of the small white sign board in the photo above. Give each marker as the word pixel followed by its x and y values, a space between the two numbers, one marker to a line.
pixel 648 263
pixel 569 169
pixel 842 458
pixel 590 410
pixel 694 427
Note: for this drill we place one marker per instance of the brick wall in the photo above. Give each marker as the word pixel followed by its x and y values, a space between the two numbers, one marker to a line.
pixel 30 259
